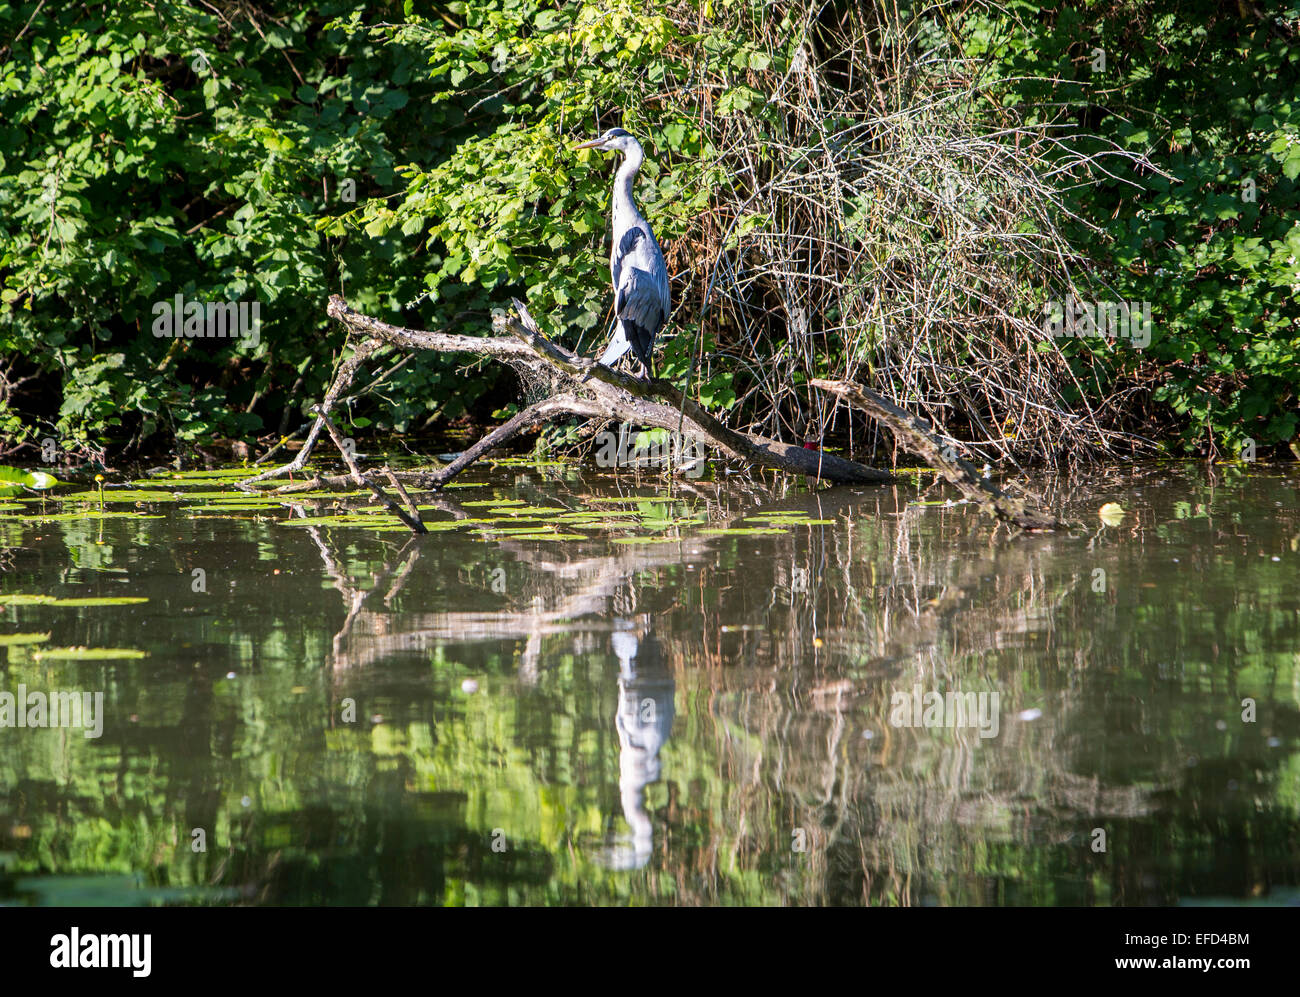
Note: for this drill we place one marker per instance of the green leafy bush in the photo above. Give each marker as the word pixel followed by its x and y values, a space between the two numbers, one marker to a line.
pixel 415 160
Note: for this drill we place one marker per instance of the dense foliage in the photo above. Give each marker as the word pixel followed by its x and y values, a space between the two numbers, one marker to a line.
pixel 1209 92
pixel 413 157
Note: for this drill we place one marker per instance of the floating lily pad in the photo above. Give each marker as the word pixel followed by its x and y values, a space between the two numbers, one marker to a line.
pixel 363 520
pixel 159 484
pixel 495 502
pixel 13 640
pixel 219 472
pixel 603 514
pixel 508 531
pixel 86 653
pixel 14 480
pixel 70 517
pixel 241 496
pixel 549 536
pixel 742 531
pixel 1112 513
pixel 648 540
pixel 118 495
pixel 234 507
pixel 26 599
pixel 238 496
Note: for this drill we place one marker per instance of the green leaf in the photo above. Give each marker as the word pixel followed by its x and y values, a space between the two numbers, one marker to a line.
pixel 14 480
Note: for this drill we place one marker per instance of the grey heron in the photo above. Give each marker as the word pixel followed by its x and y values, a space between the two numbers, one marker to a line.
pixel 636 264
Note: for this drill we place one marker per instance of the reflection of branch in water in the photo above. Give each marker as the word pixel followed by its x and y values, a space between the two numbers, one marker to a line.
pixel 564 586
pixel 354 597
pixel 791 661
pixel 583 587
pixel 645 711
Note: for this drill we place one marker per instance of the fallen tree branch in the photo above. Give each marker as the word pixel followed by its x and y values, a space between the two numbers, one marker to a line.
pixel 342 380
pixel 657 403
pixel 415 339
pixel 411 519
pixel 582 388
pixel 406 499
pixel 921 439
pixel 541 411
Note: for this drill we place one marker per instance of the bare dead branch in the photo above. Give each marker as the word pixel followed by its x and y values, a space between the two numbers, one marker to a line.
pixel 584 389
pixel 921 439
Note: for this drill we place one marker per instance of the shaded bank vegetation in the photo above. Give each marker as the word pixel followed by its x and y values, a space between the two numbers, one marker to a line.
pixel 859 192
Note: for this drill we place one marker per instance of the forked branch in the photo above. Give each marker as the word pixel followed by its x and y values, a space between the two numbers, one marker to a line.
pixel 583 388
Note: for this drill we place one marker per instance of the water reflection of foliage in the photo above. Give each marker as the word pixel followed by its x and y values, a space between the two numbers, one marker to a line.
pixel 775 689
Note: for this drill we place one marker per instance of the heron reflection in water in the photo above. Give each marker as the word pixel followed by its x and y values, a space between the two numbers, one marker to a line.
pixel 644 721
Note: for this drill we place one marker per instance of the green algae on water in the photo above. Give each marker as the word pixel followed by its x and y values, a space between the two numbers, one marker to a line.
pixel 90 653
pixel 15 640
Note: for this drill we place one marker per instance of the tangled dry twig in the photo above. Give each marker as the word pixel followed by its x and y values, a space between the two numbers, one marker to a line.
pixel 889 220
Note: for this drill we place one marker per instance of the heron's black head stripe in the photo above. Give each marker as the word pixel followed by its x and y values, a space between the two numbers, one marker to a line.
pixel 618 133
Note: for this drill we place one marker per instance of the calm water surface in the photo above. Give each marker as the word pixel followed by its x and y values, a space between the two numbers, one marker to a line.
pixel 348 716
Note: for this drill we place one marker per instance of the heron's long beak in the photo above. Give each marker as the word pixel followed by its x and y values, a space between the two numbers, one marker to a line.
pixel 587 145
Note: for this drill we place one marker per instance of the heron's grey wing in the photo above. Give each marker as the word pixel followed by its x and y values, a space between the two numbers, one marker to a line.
pixel 640 309
pixel 626 245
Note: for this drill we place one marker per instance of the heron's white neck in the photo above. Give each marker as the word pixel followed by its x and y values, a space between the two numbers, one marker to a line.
pixel 625 211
